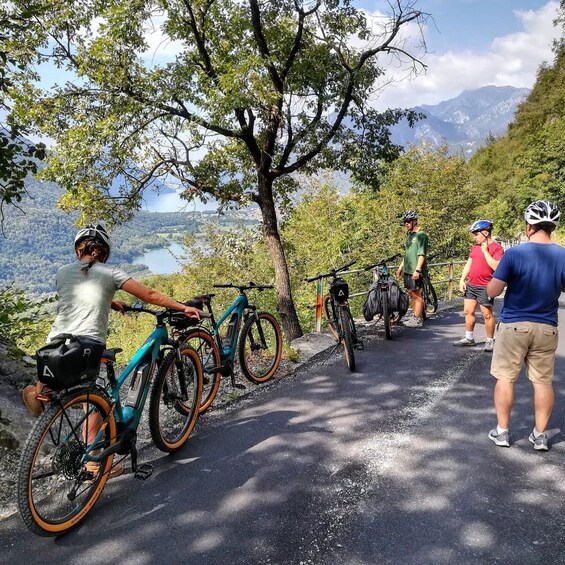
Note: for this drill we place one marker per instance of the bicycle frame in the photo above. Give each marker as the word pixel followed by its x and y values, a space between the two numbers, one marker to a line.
pixel 238 306
pixel 127 417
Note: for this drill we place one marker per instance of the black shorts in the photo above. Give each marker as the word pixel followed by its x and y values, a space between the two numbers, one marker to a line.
pixel 479 293
pixel 410 283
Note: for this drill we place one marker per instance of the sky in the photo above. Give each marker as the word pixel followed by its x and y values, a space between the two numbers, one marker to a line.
pixel 473 43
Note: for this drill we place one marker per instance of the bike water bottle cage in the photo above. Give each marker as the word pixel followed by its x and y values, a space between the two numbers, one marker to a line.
pixel 339 289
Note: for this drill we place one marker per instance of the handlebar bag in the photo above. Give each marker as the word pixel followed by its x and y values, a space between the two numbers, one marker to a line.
pixel 68 360
pixel 339 289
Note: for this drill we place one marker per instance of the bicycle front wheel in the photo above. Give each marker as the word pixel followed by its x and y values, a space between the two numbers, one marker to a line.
pixel 348 330
pixel 56 487
pixel 175 400
pixel 330 317
pixel 260 347
pixel 205 346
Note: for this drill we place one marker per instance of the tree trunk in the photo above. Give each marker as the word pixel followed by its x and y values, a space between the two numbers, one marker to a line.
pixel 285 305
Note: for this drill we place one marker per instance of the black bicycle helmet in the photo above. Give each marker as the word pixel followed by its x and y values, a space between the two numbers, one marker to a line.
pixel 481 225
pixel 409 215
pixel 93 232
pixel 542 212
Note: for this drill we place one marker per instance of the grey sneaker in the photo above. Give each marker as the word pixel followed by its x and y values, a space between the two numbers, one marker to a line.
pixel 502 439
pixel 540 442
pixel 489 344
pixel 414 322
pixel 464 342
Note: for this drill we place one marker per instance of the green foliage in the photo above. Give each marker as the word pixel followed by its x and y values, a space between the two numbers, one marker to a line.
pixel 23 324
pixel 18 157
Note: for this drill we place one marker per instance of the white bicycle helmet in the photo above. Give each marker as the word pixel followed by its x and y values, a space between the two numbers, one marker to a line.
pixel 542 212
pixel 95 233
pixel 409 215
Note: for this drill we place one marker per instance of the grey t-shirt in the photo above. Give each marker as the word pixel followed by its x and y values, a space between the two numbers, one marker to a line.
pixel 85 299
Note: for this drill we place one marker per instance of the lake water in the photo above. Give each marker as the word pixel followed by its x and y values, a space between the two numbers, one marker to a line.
pixel 163 260
pixel 167 260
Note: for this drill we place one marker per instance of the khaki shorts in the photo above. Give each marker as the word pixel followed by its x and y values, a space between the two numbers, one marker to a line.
pixel 524 342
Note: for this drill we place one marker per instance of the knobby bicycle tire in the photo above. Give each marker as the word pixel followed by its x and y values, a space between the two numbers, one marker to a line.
pixel 347 338
pixel 331 317
pixel 260 347
pixel 174 403
pixel 430 297
pixel 56 488
pixel 203 342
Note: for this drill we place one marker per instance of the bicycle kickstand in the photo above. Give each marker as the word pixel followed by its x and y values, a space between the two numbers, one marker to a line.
pixel 142 471
pixel 233 383
pixel 331 352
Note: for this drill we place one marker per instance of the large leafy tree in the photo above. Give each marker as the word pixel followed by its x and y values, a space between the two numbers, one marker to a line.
pixel 18 156
pixel 253 92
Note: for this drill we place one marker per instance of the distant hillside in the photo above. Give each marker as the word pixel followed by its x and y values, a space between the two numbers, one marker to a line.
pixel 466 121
pixel 38 238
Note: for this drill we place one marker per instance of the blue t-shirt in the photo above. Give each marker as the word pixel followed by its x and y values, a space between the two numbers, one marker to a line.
pixel 535 277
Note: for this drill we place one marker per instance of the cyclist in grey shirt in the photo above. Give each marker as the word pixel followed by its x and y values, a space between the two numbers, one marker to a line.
pixel 86 291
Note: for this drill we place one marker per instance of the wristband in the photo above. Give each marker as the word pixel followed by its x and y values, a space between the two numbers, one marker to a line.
pixel 418 271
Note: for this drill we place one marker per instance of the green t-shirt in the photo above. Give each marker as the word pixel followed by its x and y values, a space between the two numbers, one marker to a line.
pixel 416 245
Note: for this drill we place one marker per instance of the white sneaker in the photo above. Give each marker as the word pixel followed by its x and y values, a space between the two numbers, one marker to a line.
pixel 414 322
pixel 489 344
pixel 465 342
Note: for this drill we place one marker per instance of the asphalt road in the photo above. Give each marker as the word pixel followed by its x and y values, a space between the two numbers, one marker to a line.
pixel 389 465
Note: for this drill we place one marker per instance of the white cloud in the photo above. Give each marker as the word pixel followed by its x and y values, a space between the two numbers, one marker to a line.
pixel 512 60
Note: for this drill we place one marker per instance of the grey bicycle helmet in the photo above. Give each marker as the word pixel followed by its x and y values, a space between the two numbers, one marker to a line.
pixel 481 225
pixel 542 212
pixel 93 232
pixel 409 215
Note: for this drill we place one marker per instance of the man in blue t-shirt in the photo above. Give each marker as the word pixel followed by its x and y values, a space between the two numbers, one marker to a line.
pixel 534 276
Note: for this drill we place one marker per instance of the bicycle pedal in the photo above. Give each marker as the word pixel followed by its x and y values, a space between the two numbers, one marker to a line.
pixel 359 346
pixel 143 471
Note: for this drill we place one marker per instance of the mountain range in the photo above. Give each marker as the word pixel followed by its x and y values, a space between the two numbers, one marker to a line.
pixel 465 122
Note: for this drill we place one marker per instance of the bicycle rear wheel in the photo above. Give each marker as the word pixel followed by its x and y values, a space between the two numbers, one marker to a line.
pixel 430 297
pixel 175 400
pixel 347 327
pixel 260 347
pixel 205 346
pixel 55 488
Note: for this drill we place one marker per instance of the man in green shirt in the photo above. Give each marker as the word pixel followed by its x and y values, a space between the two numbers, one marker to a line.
pixel 413 266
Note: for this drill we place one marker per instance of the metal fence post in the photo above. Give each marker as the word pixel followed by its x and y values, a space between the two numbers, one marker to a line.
pixel 450 281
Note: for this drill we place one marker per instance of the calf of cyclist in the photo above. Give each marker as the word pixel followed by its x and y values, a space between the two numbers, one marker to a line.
pixel 86 290
pixel 484 257
pixel 413 266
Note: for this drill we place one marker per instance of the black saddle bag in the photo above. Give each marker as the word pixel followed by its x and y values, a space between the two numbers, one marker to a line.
pixel 68 360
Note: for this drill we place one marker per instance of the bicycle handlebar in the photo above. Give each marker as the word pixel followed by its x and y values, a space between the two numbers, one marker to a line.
pixel 383 262
pixel 331 273
pixel 167 313
pixel 243 287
